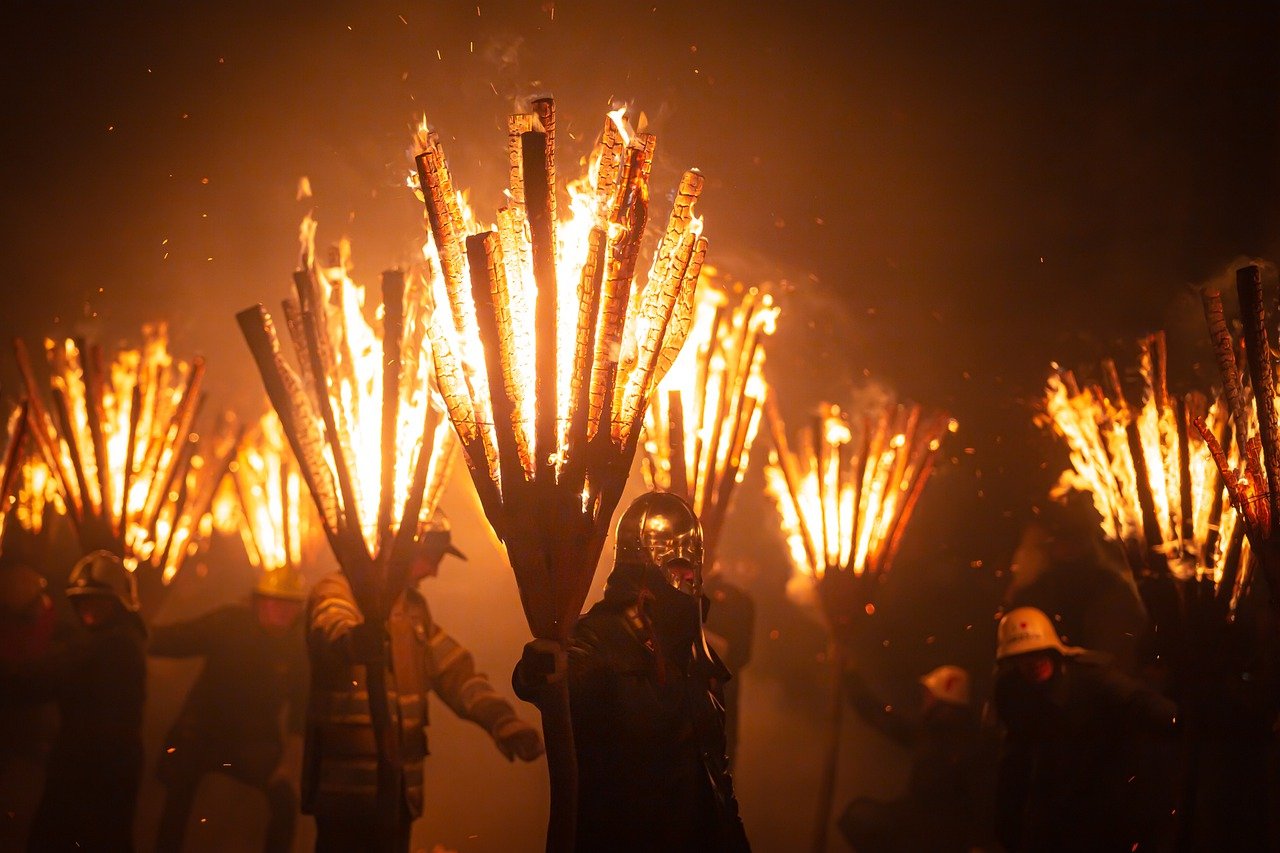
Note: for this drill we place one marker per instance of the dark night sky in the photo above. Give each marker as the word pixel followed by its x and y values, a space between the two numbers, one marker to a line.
pixel 955 193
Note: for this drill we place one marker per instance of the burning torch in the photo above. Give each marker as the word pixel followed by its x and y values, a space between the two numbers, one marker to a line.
pixel 547 361
pixel 118 441
pixel 703 420
pixel 845 496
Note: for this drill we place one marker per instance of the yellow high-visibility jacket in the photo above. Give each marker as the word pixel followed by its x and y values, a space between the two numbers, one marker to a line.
pixel 340 767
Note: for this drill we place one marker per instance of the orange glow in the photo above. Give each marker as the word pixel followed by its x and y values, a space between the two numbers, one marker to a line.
pixel 552 347
pixel 702 422
pixel 1187 523
pixel 117 441
pixel 846 496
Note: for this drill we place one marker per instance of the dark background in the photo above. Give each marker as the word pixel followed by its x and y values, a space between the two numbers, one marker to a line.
pixel 947 197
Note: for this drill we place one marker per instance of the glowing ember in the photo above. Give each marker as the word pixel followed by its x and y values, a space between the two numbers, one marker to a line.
pixel 553 349
pixel 119 446
pixel 846 497
pixel 263 500
pixel 703 420
pixel 360 413
pixel 1152 476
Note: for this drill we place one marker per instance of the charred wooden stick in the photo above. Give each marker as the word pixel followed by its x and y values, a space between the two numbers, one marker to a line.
pixel 539 191
pixel 292 406
pixel 1262 374
pixel 392 332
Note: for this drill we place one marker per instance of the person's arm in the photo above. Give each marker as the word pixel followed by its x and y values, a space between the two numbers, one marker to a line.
pixel 335 625
pixel 470 695
pixel 189 638
pixel 875 712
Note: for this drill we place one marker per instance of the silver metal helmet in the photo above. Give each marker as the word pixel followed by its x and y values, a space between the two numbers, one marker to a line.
pixel 661 531
pixel 102 573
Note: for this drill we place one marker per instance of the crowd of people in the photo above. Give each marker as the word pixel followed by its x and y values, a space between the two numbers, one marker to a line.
pixel 1165 747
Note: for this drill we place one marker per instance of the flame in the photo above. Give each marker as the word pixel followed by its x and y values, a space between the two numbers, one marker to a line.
pixel 846 496
pixel 120 449
pixel 1191 523
pixel 353 335
pixel 552 346
pixel 597 204
pixel 264 502
pixel 702 422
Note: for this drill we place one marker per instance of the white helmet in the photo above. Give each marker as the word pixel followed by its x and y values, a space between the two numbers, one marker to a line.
pixel 1027 629
pixel 949 684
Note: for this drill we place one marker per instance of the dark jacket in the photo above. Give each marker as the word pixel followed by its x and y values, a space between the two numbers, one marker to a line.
pixel 340 759
pixel 652 771
pixel 1069 774
pixel 98 680
pixel 947 804
pixel 231 719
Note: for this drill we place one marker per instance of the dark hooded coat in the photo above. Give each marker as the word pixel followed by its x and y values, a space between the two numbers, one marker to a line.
pixel 648 723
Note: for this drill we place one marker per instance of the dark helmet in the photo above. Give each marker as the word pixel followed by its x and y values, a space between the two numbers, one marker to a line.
pixel 103 573
pixel 658 530
pixel 436 538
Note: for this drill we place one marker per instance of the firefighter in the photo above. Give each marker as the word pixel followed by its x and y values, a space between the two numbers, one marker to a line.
pixel 98 679
pixel 254 671
pixel 340 762
pixel 946 802
pixel 1073 724
pixel 645 694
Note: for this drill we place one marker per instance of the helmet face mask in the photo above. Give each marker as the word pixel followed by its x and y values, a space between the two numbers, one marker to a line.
pixel 659 531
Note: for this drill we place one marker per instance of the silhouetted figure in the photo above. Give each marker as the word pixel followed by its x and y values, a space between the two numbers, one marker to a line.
pixel 648 721
pixel 254 669
pixel 730 628
pixel 27 629
pixel 98 679
pixel 1069 780
pixel 947 804
pixel 340 763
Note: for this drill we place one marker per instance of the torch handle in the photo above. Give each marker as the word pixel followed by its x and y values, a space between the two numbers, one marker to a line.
pixel 831 762
pixel 562 766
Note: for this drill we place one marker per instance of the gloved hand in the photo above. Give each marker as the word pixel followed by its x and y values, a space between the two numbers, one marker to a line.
pixel 542 662
pixel 518 739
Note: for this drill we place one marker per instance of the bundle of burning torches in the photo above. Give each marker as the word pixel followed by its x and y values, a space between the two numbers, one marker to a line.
pixel 359 412
pixel 548 357
pixel 1152 470
pixel 1251 470
pixel 847 490
pixel 845 494
pixel 703 419
pixel 118 443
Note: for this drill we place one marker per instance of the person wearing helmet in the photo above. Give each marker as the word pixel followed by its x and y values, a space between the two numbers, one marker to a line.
pixel 645 691
pixel 97 677
pixel 254 670
pixel 946 805
pixel 340 761
pixel 1069 779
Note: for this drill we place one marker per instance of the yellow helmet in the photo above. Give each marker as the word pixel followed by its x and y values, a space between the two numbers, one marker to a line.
pixel 1028 629
pixel 284 582
pixel 949 684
